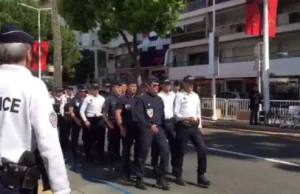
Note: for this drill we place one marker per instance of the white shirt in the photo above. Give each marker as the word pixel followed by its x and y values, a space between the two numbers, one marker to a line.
pixel 187 105
pixel 52 99
pixel 63 102
pixel 92 106
pixel 168 99
pixel 28 122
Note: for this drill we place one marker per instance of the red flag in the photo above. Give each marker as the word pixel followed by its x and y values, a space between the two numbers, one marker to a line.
pixel 254 17
pixel 35 55
pixel 273 4
pixel 253 23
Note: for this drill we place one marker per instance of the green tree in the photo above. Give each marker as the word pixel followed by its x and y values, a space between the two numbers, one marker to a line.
pixel 116 17
pixel 11 12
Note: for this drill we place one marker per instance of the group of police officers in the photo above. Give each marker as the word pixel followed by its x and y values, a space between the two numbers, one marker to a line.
pixel 158 119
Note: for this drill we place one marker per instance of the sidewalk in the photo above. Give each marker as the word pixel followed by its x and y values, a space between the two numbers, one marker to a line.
pixel 245 127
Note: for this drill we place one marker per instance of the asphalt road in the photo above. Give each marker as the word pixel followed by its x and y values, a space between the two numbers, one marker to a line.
pixel 238 163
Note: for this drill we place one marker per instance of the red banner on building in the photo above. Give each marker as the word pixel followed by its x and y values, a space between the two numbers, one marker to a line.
pixel 35 55
pixel 254 17
pixel 273 4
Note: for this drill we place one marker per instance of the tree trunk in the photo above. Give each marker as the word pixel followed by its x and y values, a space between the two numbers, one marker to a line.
pixel 57 58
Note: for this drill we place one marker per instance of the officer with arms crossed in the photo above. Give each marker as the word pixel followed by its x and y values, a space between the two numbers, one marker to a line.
pixel 125 117
pixel 187 110
pixel 94 127
pixel 27 120
pixel 150 117
pixel 168 98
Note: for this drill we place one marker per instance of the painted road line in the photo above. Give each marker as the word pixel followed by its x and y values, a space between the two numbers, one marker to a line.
pixel 279 134
pixel 40 190
pixel 256 157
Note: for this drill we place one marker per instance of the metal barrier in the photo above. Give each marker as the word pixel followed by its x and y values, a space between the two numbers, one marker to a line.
pixel 230 107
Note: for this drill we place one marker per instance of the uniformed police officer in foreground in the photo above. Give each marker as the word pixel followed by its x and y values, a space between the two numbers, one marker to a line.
pixel 27 120
pixel 168 98
pixel 94 127
pixel 125 117
pixel 187 110
pixel 113 133
pixel 150 117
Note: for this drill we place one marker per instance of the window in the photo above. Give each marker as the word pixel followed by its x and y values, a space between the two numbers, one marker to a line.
pixel 198 58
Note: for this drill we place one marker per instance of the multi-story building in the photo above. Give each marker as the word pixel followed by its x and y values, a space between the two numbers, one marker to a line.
pixel 237 70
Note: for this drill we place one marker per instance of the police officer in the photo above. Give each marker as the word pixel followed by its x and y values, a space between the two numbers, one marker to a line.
pixel 187 110
pixel 94 127
pixel 67 121
pixel 125 117
pixel 123 87
pixel 168 98
pixel 113 133
pixel 150 117
pixel 26 111
pixel 144 88
pixel 74 110
pixel 106 92
pixel 176 87
pixel 58 94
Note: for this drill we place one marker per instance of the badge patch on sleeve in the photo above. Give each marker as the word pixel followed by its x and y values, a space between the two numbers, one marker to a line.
pixel 53 119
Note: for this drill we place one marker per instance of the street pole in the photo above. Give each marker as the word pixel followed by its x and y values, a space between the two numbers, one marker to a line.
pixel 39 42
pixel 39 34
pixel 214 100
pixel 266 57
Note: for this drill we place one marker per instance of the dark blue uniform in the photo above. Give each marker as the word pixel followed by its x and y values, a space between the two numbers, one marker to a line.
pixel 113 135
pixel 76 103
pixel 150 111
pixel 127 104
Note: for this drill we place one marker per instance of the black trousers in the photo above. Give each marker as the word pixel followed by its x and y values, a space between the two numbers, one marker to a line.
pixel 17 191
pixel 171 136
pixel 114 144
pixel 128 141
pixel 184 133
pixel 65 132
pixel 75 138
pixel 145 140
pixel 95 134
pixel 254 115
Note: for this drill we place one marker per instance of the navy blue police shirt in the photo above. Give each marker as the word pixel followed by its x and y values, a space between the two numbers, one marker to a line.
pixel 150 111
pixel 76 103
pixel 127 104
pixel 110 106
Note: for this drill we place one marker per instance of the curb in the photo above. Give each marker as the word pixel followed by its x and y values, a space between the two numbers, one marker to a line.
pixel 244 129
pixel 40 190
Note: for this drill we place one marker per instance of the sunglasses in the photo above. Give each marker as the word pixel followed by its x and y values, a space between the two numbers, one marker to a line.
pixel 155 85
pixel 81 90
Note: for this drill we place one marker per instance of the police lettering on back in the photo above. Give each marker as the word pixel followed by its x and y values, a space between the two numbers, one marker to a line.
pixel 10 104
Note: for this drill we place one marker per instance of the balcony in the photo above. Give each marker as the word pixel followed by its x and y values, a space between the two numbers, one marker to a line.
pixel 190 36
pixel 194 5
pixel 237 59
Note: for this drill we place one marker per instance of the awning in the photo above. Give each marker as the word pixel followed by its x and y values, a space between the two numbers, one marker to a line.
pixel 191 20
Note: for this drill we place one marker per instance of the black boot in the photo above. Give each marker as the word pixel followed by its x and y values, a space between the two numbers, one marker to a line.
pixel 161 182
pixel 180 181
pixel 203 181
pixel 140 184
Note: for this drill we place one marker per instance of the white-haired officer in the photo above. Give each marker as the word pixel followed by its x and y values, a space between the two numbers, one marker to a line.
pixel 27 120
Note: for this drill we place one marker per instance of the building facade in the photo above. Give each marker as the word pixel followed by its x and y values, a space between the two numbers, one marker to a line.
pixel 237 56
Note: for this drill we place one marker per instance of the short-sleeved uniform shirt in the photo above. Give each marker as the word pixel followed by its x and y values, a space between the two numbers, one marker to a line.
pixel 110 106
pixel 127 104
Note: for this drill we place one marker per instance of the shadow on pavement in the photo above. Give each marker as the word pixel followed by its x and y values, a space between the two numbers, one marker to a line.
pixel 255 144
pixel 102 174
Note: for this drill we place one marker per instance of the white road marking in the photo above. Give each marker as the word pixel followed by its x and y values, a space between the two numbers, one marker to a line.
pixel 256 157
